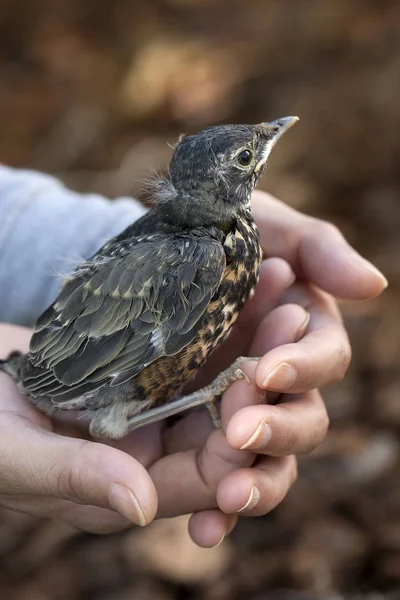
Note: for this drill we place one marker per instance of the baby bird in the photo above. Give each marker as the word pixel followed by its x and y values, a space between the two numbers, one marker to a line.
pixel 137 320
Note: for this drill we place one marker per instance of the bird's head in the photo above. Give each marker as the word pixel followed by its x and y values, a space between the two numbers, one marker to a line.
pixel 213 173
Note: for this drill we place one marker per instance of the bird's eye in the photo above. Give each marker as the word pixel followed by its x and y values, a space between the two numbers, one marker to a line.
pixel 245 158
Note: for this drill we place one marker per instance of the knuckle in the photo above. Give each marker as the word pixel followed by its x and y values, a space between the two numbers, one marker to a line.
pixel 70 482
pixel 345 357
pixel 324 228
pixel 343 360
pixel 281 481
pixel 289 440
pixel 63 483
pixel 321 429
pixel 323 424
pixel 209 482
pixel 276 493
pixel 67 484
pixel 318 432
pixel 310 444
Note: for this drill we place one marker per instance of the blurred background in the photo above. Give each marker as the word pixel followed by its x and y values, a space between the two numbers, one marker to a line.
pixel 93 92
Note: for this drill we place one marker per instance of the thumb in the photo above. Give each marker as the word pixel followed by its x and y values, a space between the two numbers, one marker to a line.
pixel 41 463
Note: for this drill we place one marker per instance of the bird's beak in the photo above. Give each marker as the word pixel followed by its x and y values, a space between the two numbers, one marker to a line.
pixel 273 131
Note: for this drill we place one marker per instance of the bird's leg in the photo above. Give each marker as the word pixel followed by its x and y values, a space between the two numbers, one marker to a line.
pixel 212 408
pixel 206 395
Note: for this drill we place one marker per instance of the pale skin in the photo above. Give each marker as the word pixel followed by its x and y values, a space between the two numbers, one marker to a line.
pixel 52 467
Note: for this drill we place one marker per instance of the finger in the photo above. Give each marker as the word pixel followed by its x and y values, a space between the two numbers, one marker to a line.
pixel 257 491
pixel 208 528
pixel 145 444
pixel 315 249
pixel 38 462
pixel 190 432
pixel 295 426
pixel 187 482
pixel 284 325
pixel 319 358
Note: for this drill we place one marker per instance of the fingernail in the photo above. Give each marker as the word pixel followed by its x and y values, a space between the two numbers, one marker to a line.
pixel 123 501
pixel 302 328
pixel 253 499
pixel 282 377
pixel 372 268
pixel 259 438
pixel 219 543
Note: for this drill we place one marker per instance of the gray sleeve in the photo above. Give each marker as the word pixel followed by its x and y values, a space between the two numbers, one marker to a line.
pixel 46 229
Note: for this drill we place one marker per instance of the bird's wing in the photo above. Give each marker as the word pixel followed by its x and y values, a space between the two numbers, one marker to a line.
pixel 111 320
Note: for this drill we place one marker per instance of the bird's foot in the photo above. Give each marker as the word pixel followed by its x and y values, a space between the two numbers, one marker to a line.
pixel 206 395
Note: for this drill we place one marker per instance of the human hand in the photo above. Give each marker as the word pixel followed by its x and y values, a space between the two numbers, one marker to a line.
pixel 50 466
pixel 253 420
pixel 304 347
pixel 191 466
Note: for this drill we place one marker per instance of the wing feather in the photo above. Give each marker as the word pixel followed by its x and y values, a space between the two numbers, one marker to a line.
pixel 123 311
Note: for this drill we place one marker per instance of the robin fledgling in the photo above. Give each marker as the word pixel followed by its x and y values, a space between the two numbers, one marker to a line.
pixel 136 321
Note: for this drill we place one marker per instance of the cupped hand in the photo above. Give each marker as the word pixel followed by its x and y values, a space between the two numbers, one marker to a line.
pixel 51 467
pixel 48 469
pixel 304 347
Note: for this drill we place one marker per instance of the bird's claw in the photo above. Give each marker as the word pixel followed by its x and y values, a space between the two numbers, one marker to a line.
pixel 240 374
